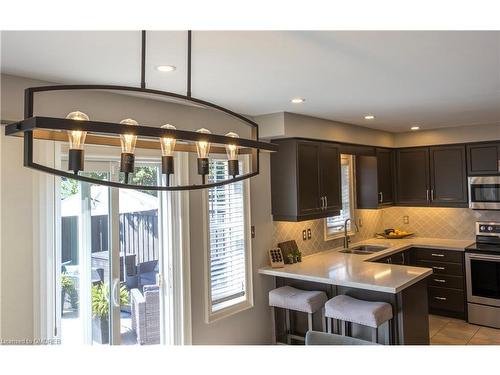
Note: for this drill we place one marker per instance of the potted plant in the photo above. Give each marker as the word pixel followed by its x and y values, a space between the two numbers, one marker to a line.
pixel 66 285
pixel 100 311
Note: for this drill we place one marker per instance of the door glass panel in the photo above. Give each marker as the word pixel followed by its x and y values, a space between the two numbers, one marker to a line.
pixel 84 262
pixel 485 278
pixel 140 258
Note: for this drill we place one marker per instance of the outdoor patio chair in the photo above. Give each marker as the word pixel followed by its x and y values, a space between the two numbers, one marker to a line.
pixel 147 272
pixel 146 314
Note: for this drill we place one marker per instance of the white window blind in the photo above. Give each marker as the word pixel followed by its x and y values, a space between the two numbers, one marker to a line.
pixel 226 211
pixel 336 223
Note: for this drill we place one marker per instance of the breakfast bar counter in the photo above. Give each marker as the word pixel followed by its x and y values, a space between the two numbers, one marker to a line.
pixel 360 276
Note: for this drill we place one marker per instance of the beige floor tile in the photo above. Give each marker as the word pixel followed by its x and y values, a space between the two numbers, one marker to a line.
pixel 485 334
pixel 459 330
pixel 436 323
pixel 442 339
pixel 480 341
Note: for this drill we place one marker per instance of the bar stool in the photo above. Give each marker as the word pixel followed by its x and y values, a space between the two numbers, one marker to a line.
pixel 351 310
pixel 306 301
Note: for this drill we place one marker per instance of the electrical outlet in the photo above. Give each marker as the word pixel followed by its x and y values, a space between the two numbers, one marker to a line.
pixel 406 219
pixel 360 222
pixel 309 234
pixel 304 235
pixel 252 231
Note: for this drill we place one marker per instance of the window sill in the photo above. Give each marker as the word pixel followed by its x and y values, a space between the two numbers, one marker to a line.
pixel 223 312
pixel 336 235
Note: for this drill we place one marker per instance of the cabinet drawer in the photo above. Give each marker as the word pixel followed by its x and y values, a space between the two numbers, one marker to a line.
pixel 440 255
pixel 445 281
pixel 454 269
pixel 446 299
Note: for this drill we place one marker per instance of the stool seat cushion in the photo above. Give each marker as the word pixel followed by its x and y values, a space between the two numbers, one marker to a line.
pixel 295 299
pixel 367 313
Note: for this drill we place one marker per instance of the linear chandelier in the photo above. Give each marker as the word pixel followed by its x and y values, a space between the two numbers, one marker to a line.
pixel 78 129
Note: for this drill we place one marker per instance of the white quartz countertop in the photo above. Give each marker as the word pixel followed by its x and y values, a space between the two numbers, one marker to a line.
pixel 358 271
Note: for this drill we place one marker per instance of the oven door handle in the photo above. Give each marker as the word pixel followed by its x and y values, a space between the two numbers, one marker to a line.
pixel 493 258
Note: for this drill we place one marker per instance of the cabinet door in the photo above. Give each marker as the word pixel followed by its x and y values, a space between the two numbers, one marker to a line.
pixel 330 177
pixel 385 168
pixel 412 165
pixel 448 176
pixel 483 159
pixel 308 179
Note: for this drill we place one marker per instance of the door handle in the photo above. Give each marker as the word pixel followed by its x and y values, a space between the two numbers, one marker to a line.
pixel 440 298
pixel 432 194
pixel 438 268
pixel 439 280
pixel 326 202
pixel 403 255
pixel 322 203
pixel 427 194
pixel 437 255
pixel 381 197
pixel 116 292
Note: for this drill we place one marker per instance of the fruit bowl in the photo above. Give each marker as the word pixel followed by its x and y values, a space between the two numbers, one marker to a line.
pixel 395 236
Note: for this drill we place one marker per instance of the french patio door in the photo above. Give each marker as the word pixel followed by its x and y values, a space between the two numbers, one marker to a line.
pixel 111 260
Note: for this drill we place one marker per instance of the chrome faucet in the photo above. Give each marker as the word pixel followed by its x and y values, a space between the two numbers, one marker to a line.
pixel 346 236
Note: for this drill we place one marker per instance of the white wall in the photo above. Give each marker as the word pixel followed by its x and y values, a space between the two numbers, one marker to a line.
pixel 461 134
pixel 251 326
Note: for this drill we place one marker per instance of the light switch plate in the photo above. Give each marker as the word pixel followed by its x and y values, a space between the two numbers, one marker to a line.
pixel 304 235
pixel 309 234
pixel 406 219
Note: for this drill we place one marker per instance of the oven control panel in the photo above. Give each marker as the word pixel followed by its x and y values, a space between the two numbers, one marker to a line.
pixel 487 228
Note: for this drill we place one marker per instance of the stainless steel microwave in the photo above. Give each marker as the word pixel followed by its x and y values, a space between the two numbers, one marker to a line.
pixel 484 193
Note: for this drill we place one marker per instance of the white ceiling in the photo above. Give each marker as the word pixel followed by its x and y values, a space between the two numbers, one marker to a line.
pixel 432 79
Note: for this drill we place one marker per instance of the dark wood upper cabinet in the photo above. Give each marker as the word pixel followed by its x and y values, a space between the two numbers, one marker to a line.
pixel 374 179
pixel 305 180
pixel 385 176
pixel 331 188
pixel 308 178
pixel 432 176
pixel 448 176
pixel 483 159
pixel 412 165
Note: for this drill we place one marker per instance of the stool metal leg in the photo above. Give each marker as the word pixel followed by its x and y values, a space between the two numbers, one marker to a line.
pixel 323 327
pixel 388 332
pixel 375 334
pixel 273 320
pixel 343 326
pixel 310 321
pixel 329 325
pixel 288 328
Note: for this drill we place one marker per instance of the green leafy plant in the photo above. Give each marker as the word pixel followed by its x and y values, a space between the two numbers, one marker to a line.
pixel 66 283
pixel 100 299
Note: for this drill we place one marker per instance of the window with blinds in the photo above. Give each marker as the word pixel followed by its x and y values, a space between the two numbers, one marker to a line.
pixel 335 224
pixel 226 216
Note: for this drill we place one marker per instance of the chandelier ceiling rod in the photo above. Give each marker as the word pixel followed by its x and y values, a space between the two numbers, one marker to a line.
pixel 189 66
pixel 143 60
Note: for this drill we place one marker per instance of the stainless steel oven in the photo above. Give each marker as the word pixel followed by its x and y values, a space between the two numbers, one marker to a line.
pixel 482 271
pixel 484 193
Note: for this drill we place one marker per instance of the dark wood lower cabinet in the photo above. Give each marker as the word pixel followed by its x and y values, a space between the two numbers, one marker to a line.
pixel 446 285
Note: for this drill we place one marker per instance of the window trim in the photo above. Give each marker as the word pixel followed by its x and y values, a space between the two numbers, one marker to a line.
pixel 246 300
pixel 327 233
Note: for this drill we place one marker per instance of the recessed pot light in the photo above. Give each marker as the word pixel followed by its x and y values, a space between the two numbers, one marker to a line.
pixel 297 100
pixel 415 128
pixel 369 117
pixel 165 68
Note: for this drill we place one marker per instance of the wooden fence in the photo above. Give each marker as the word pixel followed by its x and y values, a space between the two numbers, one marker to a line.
pixel 138 235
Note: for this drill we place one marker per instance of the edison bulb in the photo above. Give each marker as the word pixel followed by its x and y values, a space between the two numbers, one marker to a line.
pixel 168 142
pixel 77 137
pixel 202 146
pixel 128 140
pixel 232 149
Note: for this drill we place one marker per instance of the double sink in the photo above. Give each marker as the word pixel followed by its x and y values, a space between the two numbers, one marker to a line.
pixel 364 249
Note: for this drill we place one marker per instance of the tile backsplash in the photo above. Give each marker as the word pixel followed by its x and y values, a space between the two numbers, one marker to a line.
pixel 371 220
pixel 453 223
